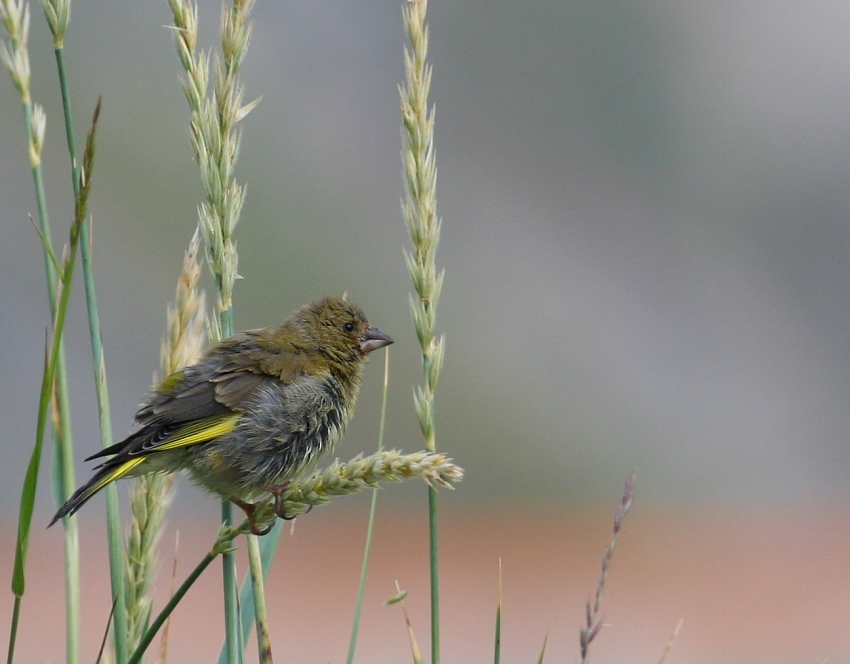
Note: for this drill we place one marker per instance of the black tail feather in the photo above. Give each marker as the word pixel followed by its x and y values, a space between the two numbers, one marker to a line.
pixel 81 496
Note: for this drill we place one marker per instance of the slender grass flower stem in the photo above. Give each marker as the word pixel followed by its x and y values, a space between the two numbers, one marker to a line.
pixel 64 473
pixel 255 563
pixel 215 140
pixel 66 273
pixel 15 56
pixel 367 548
pixel 146 640
pixel 113 520
pixel 420 213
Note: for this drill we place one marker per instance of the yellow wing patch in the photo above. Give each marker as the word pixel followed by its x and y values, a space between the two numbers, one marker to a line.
pixel 116 474
pixel 199 432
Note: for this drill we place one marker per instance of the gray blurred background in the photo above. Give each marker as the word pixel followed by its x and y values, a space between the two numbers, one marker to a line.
pixel 645 231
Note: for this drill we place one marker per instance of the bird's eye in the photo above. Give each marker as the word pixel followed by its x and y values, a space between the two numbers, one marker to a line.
pixel 348 327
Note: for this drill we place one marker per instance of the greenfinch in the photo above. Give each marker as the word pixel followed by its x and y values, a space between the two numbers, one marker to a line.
pixel 253 412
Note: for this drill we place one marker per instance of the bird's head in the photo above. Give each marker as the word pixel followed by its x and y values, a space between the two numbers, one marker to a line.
pixel 339 330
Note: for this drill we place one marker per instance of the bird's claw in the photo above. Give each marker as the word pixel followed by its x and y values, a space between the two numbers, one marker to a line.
pixel 277 490
pixel 250 510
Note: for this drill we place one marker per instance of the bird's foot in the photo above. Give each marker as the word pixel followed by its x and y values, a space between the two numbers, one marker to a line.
pixel 277 490
pixel 250 510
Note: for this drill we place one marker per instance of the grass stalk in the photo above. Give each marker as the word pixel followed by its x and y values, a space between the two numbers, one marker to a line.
pixel 15 56
pixel 543 649
pixel 594 622
pixel 151 495
pixel 261 618
pixel 367 549
pixel 399 598
pixel 343 478
pixel 497 648
pixel 420 213
pixel 670 641
pixel 216 139
pixel 232 633
pixel 57 13
pixel 222 545
pixel 268 544
pixel 51 359
pixel 150 498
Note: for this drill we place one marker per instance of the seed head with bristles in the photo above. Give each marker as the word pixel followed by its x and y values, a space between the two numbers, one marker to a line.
pixel 15 16
pixel 214 133
pixel 419 209
pixel 340 479
pixel 151 495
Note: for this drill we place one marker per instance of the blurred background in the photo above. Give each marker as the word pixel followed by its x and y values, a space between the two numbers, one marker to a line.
pixel 647 250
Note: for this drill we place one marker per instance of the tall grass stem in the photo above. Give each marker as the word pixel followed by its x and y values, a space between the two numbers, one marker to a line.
pixel 216 139
pixel 15 56
pixel 255 566
pixel 113 519
pixel 419 209
pixel 367 548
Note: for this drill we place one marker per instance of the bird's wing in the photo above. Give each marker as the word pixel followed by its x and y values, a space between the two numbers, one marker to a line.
pixel 135 450
pixel 153 438
pixel 204 401
pixel 224 379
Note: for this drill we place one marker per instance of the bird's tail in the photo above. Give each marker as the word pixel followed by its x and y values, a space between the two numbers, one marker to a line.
pixel 107 474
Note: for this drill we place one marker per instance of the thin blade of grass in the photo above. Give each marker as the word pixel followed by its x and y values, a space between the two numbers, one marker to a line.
pixel 48 248
pixel 543 649
pixel 593 622
pixel 222 545
pixel 268 545
pixel 414 647
pixel 31 478
pixel 105 638
pixel 101 390
pixel 497 650
pixel 367 549
pixel 255 565
pixel 671 640
pixel 15 57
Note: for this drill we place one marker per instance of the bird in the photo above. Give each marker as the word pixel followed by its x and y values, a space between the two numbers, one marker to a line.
pixel 253 413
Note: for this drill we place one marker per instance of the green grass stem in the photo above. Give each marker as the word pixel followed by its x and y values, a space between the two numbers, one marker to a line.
pixel 497 649
pixel 31 477
pixel 233 635
pixel 419 209
pixel 216 144
pixel 167 610
pixel 64 474
pixel 268 545
pixel 367 549
pixel 15 18
pixel 255 566
pixel 113 519
pixel 543 649
pixel 434 564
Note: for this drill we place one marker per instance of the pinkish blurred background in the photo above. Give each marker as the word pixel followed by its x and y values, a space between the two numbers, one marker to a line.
pixel 647 256
pixel 752 585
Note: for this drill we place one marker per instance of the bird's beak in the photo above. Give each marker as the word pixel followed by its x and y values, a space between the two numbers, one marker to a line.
pixel 374 339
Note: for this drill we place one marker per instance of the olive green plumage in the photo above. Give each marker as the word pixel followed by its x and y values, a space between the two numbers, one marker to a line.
pixel 253 412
